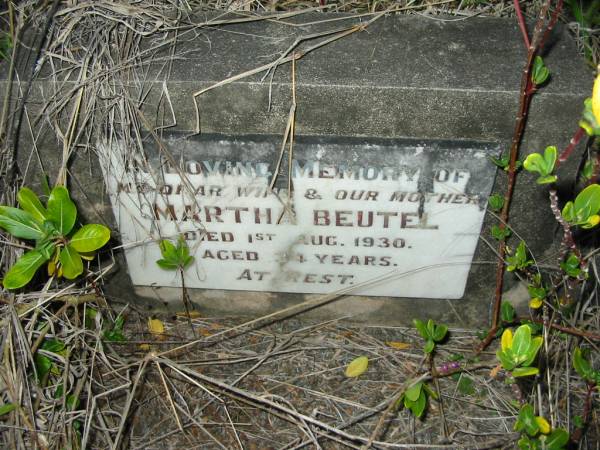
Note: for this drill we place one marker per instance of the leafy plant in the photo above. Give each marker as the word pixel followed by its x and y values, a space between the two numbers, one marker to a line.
pixel 115 333
pixel 43 363
pixel 51 227
pixel 415 398
pixel 584 368
pixel 431 332
pixel 584 211
pixel 539 71
pixel 496 202
pixel 537 292
pixel 542 165
pixel 507 312
pixel 504 161
pixel 537 434
pixel 518 260
pixel 499 233
pixel 518 352
pixel 177 258
pixel 588 170
pixel 174 257
pixel 571 266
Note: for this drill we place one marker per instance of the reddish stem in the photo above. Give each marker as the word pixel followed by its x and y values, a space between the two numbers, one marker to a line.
pixel 587 408
pixel 521 22
pixel 552 22
pixel 524 101
pixel 575 140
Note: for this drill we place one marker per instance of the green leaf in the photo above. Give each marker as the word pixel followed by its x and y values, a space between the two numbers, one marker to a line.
pixel 539 71
pixel 557 439
pixel 496 202
pixel 114 335
pixel 536 163
pixel 71 262
pixel 20 224
pixel 429 346
pixel 43 364
pixel 568 212
pixel 24 269
pixel 168 251
pixel 500 233
pixel 524 443
pixel 6 408
pixel 548 179
pixel 535 345
pixel 504 161
pixel 507 312
pixel 536 292
pixel 550 155
pixel 588 170
pixel 61 210
pixel 29 201
pixel 505 360
pixel 357 367
pixel 524 371
pixel 526 420
pixel 413 392
pixel 588 200
pixel 418 407
pixel 420 326
pixel 581 365
pixel 182 249
pixel 465 385
pixel 440 332
pixel 90 237
pixel 187 261
pixel 519 259
pixel 167 265
pixel 430 328
pixel 53 345
pixel 521 341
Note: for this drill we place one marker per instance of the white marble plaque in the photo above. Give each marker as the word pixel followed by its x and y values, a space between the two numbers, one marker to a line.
pixel 386 218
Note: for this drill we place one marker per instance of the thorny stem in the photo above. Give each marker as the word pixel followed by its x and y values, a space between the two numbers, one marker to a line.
pixel 527 90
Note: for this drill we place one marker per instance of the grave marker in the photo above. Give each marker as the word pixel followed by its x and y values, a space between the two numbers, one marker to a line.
pixel 367 216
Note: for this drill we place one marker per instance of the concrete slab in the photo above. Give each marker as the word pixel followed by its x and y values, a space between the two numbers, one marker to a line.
pixel 403 77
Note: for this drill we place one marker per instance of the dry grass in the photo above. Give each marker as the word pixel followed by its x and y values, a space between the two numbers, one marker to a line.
pixel 240 385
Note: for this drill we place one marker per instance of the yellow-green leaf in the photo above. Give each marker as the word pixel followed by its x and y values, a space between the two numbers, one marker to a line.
pixel 543 424
pixel 398 345
pixel 71 263
pixel 90 237
pixel 357 367
pixel 596 99
pixel 507 338
pixel 156 326
pixel 535 303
